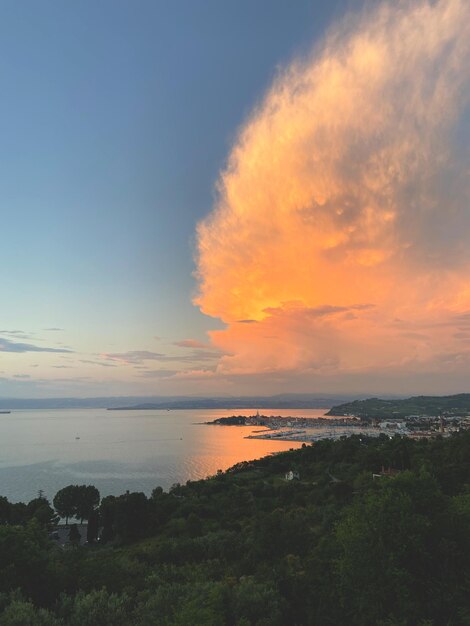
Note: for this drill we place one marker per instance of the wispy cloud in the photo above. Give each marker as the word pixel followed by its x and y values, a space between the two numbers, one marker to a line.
pixel 178 375
pixel 193 343
pixel 99 363
pixel 17 334
pixel 12 346
pixel 133 356
pixel 141 356
pixel 163 373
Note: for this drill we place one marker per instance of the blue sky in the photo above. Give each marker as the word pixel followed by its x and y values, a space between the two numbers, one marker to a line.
pixel 115 120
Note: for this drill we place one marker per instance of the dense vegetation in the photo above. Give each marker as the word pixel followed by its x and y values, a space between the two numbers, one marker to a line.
pixel 233 420
pixel 458 404
pixel 248 547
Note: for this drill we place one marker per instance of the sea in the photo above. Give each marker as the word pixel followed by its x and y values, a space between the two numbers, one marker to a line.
pixel 45 450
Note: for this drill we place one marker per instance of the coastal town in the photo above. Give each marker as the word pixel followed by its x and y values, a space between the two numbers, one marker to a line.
pixel 307 429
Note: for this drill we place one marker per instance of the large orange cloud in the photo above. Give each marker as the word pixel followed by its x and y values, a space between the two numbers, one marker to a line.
pixel 340 230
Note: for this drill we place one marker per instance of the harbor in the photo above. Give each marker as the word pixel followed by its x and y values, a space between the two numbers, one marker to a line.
pixel 308 429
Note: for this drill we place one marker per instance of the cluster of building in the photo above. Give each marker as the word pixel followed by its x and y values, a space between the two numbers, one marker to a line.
pixel 313 429
pixel 428 425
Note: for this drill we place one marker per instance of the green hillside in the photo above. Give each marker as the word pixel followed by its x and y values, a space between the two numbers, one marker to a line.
pixel 250 548
pixel 419 405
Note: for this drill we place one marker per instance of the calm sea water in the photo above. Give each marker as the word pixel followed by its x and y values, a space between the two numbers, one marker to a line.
pixel 120 450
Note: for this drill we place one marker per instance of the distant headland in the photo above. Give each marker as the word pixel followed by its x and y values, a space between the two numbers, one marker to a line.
pixel 457 405
pixel 279 401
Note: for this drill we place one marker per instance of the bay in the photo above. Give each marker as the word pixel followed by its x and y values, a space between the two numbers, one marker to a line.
pixel 123 450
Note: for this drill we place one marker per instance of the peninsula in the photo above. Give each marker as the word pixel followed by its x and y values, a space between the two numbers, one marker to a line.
pixel 456 405
pixel 417 417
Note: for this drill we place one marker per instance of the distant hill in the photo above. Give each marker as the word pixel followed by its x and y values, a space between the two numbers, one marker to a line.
pixel 19 404
pixel 279 401
pixel 398 408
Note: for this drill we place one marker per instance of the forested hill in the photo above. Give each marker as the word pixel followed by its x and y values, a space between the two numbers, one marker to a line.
pixel 419 405
pixel 375 532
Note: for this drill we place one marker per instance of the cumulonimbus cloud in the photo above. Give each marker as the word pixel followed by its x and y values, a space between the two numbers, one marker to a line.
pixel 341 225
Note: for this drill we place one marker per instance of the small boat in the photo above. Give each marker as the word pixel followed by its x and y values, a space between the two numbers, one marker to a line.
pixel 5 412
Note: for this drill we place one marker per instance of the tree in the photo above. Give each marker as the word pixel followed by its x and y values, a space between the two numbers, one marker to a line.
pixel 18 513
pixel 65 502
pixel 132 516
pixel 23 559
pixel 387 549
pixel 76 500
pixel 157 493
pixel 5 510
pixel 194 525
pixel 107 514
pixel 87 499
pixel 100 607
pixel 93 526
pixel 41 510
pixel 22 612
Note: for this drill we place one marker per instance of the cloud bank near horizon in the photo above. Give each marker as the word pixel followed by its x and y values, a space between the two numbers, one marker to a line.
pixel 340 229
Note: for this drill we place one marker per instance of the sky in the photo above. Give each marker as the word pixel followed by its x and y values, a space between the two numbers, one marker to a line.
pixel 234 197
